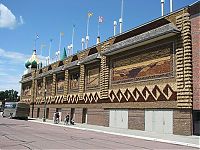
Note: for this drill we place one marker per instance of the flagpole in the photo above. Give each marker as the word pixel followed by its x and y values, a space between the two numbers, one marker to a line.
pixel 121 18
pixel 35 44
pixel 88 19
pixel 73 38
pixel 98 28
pixel 59 42
pixel 50 50
pixel 87 36
pixel 35 41
pixel 41 47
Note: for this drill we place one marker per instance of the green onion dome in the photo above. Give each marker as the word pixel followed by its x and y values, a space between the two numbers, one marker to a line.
pixel 27 64
pixel 33 61
pixel 34 64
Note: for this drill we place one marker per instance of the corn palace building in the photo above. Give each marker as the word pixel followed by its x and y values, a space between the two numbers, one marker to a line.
pixel 147 78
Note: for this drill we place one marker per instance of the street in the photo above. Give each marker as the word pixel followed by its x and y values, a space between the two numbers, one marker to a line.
pixel 20 134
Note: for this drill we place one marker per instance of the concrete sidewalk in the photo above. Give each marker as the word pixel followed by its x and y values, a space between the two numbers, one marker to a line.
pixel 192 141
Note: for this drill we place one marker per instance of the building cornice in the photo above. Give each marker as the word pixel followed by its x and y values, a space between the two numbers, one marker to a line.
pixel 141 39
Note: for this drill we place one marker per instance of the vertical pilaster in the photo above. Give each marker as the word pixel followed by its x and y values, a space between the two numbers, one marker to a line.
pixel 53 90
pixel 104 74
pixel 35 91
pixel 184 62
pixel 66 84
pixel 21 92
pixel 43 88
pixel 32 87
pixel 104 78
pixel 82 81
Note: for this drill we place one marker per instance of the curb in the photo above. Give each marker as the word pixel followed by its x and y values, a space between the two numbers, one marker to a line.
pixel 121 134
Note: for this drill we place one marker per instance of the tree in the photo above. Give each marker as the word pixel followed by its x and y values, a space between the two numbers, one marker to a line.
pixel 2 95
pixel 9 95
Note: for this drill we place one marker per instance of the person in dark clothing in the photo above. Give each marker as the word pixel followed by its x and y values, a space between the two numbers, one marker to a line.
pixel 57 117
pixel 72 122
pixel 67 119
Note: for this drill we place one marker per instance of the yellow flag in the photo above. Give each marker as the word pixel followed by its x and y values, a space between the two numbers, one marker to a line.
pixel 62 33
pixel 90 14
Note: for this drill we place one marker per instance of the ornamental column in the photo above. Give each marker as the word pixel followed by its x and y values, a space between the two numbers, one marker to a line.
pixel 43 88
pixel 184 62
pixel 66 84
pixel 104 74
pixel 82 81
pixel 53 90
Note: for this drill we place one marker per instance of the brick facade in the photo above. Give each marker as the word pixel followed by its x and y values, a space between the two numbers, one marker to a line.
pixel 136 119
pixel 153 66
pixel 195 32
pixel 182 122
pixel 98 117
pixel 78 115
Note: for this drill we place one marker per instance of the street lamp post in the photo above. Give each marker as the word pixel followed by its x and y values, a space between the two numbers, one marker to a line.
pixel 44 117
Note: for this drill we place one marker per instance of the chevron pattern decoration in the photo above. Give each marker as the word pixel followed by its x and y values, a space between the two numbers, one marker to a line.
pixel 92 97
pixel 144 94
pixel 72 98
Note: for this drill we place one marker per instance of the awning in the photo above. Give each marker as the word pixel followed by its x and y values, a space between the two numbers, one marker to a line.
pixel 48 73
pixel 91 58
pixel 26 80
pixel 58 69
pixel 39 76
pixel 159 33
pixel 72 65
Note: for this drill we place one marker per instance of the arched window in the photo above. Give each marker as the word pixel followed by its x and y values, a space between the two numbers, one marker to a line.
pixel 92 51
pixel 74 58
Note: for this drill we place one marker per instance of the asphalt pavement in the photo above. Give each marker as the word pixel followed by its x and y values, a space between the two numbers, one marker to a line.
pixel 35 134
pixel 191 141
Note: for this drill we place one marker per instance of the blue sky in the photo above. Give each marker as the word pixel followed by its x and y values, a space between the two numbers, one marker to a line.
pixel 21 20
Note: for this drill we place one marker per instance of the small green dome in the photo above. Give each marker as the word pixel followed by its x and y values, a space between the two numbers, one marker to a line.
pixel 33 61
pixel 27 64
pixel 34 64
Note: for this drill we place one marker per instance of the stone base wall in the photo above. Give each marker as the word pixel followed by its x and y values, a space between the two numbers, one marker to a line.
pixel 182 118
pixel 51 112
pixel 65 111
pixel 182 122
pixel 34 112
pixel 98 117
pixel 78 115
pixel 136 119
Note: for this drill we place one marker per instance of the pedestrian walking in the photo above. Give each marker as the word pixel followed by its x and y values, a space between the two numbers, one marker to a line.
pixel 66 122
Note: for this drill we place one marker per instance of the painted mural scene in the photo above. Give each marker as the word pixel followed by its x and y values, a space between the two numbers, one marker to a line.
pixel 142 81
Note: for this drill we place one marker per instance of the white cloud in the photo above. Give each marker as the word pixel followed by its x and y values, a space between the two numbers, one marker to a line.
pixel 8 19
pixel 13 56
pixel 11 68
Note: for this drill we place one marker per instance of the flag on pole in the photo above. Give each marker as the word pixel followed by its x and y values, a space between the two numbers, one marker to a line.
pixel 90 14
pixel 101 19
pixel 62 33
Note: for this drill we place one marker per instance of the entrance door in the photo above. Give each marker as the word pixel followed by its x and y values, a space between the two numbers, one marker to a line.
pixel 118 118
pixel 38 112
pixel 72 113
pixel 47 113
pixel 160 121
pixel 59 110
pixel 84 115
